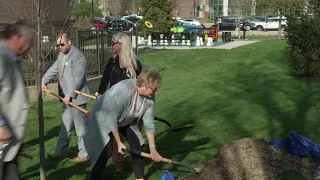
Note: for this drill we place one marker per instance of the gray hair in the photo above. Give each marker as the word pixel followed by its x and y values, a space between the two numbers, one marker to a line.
pixel 17 28
pixel 150 77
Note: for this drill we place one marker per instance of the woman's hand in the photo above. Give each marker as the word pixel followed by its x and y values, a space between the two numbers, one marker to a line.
pixel 121 147
pixel 154 154
pixel 97 95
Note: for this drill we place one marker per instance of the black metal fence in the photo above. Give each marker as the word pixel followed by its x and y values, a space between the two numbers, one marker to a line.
pixel 94 44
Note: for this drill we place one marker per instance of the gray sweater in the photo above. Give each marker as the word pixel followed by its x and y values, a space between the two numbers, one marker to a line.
pixel 111 111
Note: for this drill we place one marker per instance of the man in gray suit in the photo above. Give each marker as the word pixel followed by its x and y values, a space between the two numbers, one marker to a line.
pixel 18 38
pixel 70 70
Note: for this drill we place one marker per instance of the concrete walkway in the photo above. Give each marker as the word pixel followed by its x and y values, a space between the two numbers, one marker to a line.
pixel 230 45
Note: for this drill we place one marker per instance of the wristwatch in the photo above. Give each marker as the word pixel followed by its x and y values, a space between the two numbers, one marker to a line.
pixel 152 145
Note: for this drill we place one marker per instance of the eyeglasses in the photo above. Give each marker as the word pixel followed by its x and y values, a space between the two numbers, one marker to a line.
pixel 153 89
pixel 60 45
pixel 114 43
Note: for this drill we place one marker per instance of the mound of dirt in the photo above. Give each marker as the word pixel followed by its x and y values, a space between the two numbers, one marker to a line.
pixel 254 159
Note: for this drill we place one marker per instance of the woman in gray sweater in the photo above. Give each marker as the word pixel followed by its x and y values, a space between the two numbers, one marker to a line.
pixel 118 111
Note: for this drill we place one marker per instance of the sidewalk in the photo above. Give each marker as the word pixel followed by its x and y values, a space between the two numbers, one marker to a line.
pixel 229 45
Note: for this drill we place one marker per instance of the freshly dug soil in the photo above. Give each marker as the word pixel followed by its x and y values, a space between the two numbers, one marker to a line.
pixel 254 159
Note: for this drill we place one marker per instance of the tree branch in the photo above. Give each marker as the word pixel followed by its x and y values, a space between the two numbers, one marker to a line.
pixel 46 16
pixel 65 22
pixel 37 5
pixel 13 9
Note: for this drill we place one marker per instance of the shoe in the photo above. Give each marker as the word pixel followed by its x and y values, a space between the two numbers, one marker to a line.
pixel 79 159
pixel 56 156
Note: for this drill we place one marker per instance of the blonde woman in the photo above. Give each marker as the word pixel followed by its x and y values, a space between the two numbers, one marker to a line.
pixel 123 65
pixel 117 112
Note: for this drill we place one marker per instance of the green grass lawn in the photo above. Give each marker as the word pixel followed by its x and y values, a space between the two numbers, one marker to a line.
pixel 229 94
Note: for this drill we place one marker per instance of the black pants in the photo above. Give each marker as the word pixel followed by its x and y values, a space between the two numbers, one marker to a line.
pixel 137 161
pixel 10 170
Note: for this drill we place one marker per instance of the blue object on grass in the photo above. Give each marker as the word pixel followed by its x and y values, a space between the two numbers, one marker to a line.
pixel 281 143
pixel 167 175
pixel 298 145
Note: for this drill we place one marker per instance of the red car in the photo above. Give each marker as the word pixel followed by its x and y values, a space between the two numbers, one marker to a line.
pixel 99 24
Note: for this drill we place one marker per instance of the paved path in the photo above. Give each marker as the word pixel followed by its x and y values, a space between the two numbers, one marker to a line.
pixel 230 45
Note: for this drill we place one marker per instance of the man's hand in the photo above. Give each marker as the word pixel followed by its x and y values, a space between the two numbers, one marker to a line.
pixel 66 100
pixel 5 134
pixel 44 87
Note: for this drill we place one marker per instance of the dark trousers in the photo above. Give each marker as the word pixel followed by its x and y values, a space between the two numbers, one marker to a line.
pixel 11 170
pixel 137 161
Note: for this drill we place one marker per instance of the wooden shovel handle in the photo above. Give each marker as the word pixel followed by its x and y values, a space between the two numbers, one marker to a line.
pixel 70 103
pixel 146 155
pixel 143 154
pixel 85 94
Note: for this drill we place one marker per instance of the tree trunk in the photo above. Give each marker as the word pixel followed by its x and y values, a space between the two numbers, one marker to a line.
pixel 279 27
pixel 40 101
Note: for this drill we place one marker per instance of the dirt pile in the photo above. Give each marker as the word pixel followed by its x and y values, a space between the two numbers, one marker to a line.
pixel 253 159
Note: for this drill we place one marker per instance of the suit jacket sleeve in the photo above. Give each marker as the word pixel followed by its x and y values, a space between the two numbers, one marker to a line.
pixel 106 77
pixel 52 72
pixel 79 65
pixel 6 84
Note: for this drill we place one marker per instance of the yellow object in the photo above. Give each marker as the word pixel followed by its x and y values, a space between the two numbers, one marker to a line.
pixel 148 24
pixel 206 37
pixel 177 29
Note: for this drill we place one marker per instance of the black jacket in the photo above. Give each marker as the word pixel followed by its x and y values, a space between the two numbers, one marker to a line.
pixel 113 74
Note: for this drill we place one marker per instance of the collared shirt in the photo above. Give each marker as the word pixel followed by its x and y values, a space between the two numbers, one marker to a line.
pixel 16 59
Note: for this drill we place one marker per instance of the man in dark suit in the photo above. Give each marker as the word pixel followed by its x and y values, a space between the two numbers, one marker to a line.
pixel 18 38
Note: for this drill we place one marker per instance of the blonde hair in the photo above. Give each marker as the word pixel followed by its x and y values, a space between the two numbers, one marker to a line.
pixel 150 77
pixel 126 54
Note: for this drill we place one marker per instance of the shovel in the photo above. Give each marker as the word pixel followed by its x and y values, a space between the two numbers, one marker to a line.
pixel 173 128
pixel 146 155
pixel 70 103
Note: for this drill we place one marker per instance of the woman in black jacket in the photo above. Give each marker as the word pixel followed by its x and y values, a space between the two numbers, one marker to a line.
pixel 123 65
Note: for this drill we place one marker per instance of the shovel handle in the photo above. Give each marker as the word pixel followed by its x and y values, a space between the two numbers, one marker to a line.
pixel 146 155
pixel 85 94
pixel 70 103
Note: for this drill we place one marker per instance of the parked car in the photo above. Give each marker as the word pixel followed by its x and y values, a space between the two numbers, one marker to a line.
pixel 227 25
pixel 119 25
pixel 133 20
pixel 271 23
pixel 192 22
pixel 99 24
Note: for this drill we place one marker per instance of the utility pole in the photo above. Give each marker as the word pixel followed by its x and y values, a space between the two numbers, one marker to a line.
pixel 40 101
pixel 92 10
pixel 132 6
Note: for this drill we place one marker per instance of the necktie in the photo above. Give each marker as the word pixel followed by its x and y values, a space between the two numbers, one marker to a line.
pixel 62 68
